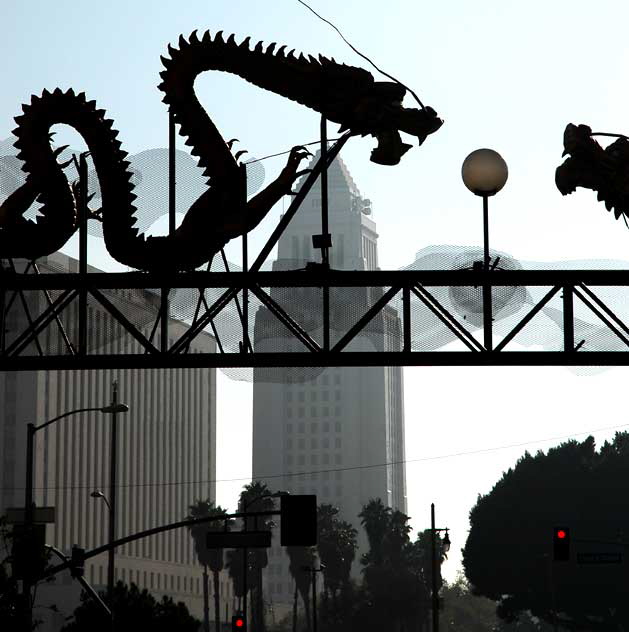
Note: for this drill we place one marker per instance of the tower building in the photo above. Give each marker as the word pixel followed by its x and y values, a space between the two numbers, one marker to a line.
pixel 337 432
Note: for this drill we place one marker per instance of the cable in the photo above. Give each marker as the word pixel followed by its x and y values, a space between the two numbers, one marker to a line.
pixel 363 56
pixel 336 469
pixel 314 142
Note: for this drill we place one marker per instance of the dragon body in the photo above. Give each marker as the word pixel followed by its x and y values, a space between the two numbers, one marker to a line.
pixel 590 166
pixel 344 94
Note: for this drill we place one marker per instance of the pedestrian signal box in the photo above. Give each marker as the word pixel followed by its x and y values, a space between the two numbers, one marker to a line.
pixel 238 623
pixel 299 520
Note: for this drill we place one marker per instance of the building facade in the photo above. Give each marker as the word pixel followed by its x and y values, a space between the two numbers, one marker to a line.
pixel 166 456
pixel 339 432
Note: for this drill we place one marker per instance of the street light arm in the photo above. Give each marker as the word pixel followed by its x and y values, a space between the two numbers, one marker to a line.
pixel 67 414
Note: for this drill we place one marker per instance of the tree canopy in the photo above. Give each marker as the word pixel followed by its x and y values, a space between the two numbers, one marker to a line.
pixel 508 554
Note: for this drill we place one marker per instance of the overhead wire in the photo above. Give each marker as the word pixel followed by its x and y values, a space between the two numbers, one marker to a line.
pixel 335 469
pixel 361 54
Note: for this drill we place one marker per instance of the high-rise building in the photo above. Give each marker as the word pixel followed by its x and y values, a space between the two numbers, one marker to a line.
pixel 338 434
pixel 166 455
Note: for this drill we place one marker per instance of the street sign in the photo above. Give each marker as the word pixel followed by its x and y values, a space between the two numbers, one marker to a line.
pixel 41 515
pixel 599 558
pixel 238 539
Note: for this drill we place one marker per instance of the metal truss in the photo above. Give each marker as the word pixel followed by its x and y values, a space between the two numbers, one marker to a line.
pixel 23 351
pixel 56 320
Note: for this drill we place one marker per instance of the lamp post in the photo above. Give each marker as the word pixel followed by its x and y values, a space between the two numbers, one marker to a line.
pixel 246 506
pixel 484 173
pixel 31 429
pixel 445 548
pixel 314 572
pixel 110 583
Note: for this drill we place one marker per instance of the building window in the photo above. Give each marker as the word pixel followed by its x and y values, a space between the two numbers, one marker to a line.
pixel 326 444
pixel 326 396
pixel 326 426
pixel 289 430
pixel 338 475
pixel 301 427
pixel 289 398
pixel 337 426
pixel 289 414
pixel 337 411
pixel 325 459
pixel 301 398
pixel 301 461
pixel 339 492
pixel 326 411
pixel 302 446
pixel 337 445
pixel 289 446
pixel 326 475
pixel 314 444
pixel 337 397
pixel 314 427
pixel 337 380
pixel 300 412
pixel 289 461
pixel 337 459
pixel 313 396
pixel 313 411
pixel 314 459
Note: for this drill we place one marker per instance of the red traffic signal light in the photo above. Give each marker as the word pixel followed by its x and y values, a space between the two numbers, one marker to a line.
pixel 561 544
pixel 238 623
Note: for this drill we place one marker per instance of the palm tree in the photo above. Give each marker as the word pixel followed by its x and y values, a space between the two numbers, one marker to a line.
pixel 301 557
pixel 375 518
pixel 336 545
pixel 256 497
pixel 212 558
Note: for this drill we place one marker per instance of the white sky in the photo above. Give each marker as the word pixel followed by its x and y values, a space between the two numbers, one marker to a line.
pixel 503 74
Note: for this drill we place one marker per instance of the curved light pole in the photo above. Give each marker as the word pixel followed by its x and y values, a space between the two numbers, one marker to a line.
pixel 111 553
pixel 244 550
pixel 484 173
pixel 31 429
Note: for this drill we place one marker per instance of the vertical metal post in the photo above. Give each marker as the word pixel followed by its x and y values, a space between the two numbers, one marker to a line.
pixel 28 521
pixel 435 594
pixel 245 266
pixel 83 253
pixel 244 568
pixel 325 231
pixel 112 495
pixel 171 173
pixel 568 318
pixel 164 308
pixel 406 319
pixel 314 599
pixel 487 298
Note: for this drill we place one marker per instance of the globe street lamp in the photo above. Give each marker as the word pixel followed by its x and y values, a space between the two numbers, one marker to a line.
pixel 31 429
pixel 484 173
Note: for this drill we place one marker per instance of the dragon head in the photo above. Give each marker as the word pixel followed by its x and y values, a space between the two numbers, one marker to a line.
pixel 591 167
pixel 380 113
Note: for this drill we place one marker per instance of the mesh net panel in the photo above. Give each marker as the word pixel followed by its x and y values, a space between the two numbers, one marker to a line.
pixel 266 332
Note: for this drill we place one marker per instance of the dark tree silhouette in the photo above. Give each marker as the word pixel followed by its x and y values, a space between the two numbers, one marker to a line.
pixel 212 558
pixel 395 574
pixel 300 557
pixel 508 554
pixel 135 610
pixel 255 497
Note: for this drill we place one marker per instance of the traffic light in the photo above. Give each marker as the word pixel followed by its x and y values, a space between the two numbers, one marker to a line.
pixel 29 551
pixel 77 561
pixel 238 623
pixel 299 520
pixel 561 544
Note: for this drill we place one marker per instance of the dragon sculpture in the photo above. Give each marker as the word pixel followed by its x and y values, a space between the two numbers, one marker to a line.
pixel 343 94
pixel 605 170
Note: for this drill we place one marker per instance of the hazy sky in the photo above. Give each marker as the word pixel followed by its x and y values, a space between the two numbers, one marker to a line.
pixel 505 75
